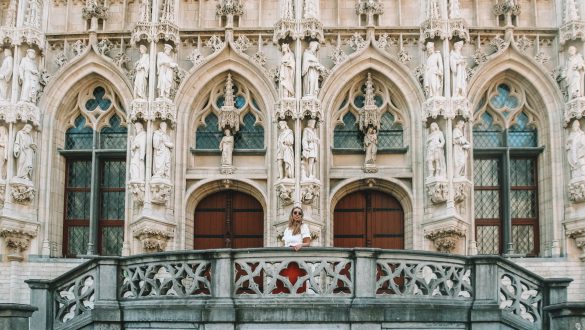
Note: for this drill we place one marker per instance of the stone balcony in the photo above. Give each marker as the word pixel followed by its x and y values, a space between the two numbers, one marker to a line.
pixel 271 288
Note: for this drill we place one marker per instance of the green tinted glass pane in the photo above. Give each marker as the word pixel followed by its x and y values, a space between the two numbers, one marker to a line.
pixel 390 134
pixel 114 136
pixel 520 135
pixel 79 137
pixel 208 136
pixel 488 239
pixel 523 203
pixel 522 172
pixel 98 100
pixel 77 205
pixel 486 135
pixel 348 136
pixel 250 135
pixel 78 173
pixel 114 174
pixel 523 238
pixel 504 99
pixel 112 239
pixel 486 172
pixel 112 205
pixel 487 204
pixel 78 239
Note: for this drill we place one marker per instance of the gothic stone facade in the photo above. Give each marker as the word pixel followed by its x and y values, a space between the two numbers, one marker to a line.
pixel 120 119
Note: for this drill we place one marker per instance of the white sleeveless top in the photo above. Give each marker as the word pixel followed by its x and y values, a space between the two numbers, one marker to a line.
pixel 292 240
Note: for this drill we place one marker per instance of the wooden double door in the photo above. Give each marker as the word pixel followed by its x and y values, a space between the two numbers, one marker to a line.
pixel 228 219
pixel 368 218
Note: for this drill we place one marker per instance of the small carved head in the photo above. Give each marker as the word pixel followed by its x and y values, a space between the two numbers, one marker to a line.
pixel 311 123
pixel 7 52
pixel 314 46
pixel 434 127
pixel 576 126
pixel 572 50
pixel 282 124
pixel 30 53
pixel 285 48
pixel 138 126
pixel 142 49
pixel 168 49
pixel 430 47
pixel 458 45
pixel 163 126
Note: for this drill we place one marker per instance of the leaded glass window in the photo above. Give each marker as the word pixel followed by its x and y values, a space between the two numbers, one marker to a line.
pixel 208 136
pixel 390 134
pixel 347 135
pixel 95 156
pixel 506 150
pixel 250 135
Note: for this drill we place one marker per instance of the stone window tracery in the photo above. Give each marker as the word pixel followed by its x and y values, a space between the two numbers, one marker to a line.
pixel 249 134
pixel 506 151
pixel 348 134
pixel 95 148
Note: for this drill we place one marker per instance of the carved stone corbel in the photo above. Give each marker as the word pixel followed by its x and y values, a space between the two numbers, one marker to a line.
pixel 309 193
pixel 285 192
pixel 163 109
pixel 285 108
pixel 137 189
pixel 579 236
pixel 153 239
pixel 17 237
pixel 160 191
pixel 438 190
pixel 23 191
pixel 574 109
pixel 445 239
pixel 311 108
pixel 437 106
pixel 577 191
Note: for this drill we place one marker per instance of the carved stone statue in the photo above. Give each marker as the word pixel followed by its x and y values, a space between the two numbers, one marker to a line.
pixel 29 77
pixel 6 74
pixel 227 147
pixel 460 148
pixel 287 73
pixel 141 68
pixel 162 145
pixel 371 145
pixel 3 151
pixel 575 74
pixel 138 154
pixel 436 152
pixel 458 68
pixel 310 143
pixel 311 70
pixel 433 78
pixel 33 14
pixel 311 9
pixel 166 74
pixel 571 13
pixel 24 152
pixel 287 9
pixel 454 9
pixel 144 11
pixel 576 150
pixel 285 155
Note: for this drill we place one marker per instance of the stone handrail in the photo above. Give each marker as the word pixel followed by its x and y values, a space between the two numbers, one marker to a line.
pixel 368 282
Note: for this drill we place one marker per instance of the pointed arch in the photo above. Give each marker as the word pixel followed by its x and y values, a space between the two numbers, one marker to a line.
pixel 546 104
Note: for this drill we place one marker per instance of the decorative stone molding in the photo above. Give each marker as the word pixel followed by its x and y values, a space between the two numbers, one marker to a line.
pixel 141 31
pixel 229 9
pixel 309 193
pixel 507 8
pixel 229 115
pixel 445 239
pixel 437 190
pixel 104 47
pixel 436 106
pixel 196 57
pixel 312 28
pixel 458 28
pixel 215 44
pixel 434 28
pixel 285 28
pixel 357 42
pixel 139 110
pixel 338 56
pixel 579 236
pixel 285 108
pixel 153 239
pixel 572 31
pixel 311 108
pixel 78 47
pixel 27 112
pixel 160 191
pixel 137 190
pixel 461 188
pixel 574 109
pixel 93 9
pixel 369 8
pixel 285 192
pixel 577 190
pixel 460 107
pixel 163 109
pixel 227 169
pixel 17 236
pixel 23 191
pixel 164 30
pixel 30 36
pixel 370 168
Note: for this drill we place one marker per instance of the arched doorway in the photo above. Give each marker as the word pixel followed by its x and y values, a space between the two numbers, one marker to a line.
pixel 228 219
pixel 368 218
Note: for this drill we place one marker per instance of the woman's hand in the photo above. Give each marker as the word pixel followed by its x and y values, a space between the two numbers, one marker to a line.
pixel 297 246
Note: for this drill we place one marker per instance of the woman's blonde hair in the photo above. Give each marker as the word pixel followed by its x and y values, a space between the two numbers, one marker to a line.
pixel 293 225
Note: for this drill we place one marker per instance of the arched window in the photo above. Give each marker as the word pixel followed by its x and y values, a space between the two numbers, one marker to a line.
pixel 95 178
pixel 505 147
pixel 250 133
pixel 348 136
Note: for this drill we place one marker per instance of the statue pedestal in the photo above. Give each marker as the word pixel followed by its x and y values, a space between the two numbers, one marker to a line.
pixel 160 190
pixel 370 168
pixel 227 169
pixel 137 190
pixel 285 189
pixel 437 189
pixel 22 190
pixel 152 233
pixel 17 234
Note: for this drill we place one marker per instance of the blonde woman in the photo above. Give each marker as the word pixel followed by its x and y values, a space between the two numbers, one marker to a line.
pixel 297 234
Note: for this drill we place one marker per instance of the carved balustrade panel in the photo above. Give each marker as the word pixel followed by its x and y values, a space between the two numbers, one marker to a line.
pixel 520 297
pixel 166 279
pixel 307 276
pixel 419 278
pixel 75 298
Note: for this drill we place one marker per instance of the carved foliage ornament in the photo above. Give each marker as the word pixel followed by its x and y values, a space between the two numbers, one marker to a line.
pixel 445 239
